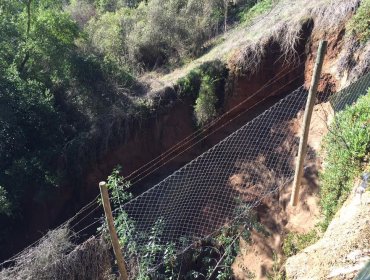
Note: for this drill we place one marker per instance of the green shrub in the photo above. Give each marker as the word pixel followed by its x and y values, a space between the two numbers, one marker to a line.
pixel 250 13
pixel 151 34
pixel 5 206
pixel 276 273
pixel 206 85
pixel 205 105
pixel 359 24
pixel 190 84
pixel 295 242
pixel 144 249
pixel 346 149
pixel 53 93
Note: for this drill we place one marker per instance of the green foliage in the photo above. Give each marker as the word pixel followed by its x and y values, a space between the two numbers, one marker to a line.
pixel 250 13
pixel 168 31
pixel 81 11
pixel 276 273
pixel 359 24
pixel 107 35
pixel 27 135
pixel 296 242
pixel 50 41
pixel 190 85
pixel 53 93
pixel 28 144
pixel 113 5
pixel 144 250
pixel 205 105
pixel 143 257
pixel 206 85
pixel 346 150
pixel 5 206
pixel 118 187
pixel 150 34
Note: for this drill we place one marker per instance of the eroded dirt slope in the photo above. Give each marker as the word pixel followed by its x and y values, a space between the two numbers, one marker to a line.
pixel 344 248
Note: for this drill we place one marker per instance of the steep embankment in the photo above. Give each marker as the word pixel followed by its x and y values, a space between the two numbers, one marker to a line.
pixel 280 44
pixel 252 59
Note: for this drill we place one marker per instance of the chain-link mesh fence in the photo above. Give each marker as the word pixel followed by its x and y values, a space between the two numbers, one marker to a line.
pixel 203 195
pixel 208 193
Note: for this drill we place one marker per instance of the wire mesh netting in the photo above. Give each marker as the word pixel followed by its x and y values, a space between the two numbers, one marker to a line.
pixel 350 94
pixel 198 200
pixel 238 172
pixel 253 162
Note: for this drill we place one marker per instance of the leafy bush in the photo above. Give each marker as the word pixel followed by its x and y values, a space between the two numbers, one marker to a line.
pixel 250 13
pixel 145 252
pixel 206 85
pixel 28 138
pixel 151 34
pixel 205 105
pixel 346 149
pixel 108 33
pixel 112 5
pixel 190 84
pixel 359 24
pixel 295 242
pixel 81 11
pixel 5 206
pixel 167 31
pixel 52 95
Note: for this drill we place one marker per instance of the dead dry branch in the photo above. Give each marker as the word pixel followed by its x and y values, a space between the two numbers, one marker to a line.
pixel 56 257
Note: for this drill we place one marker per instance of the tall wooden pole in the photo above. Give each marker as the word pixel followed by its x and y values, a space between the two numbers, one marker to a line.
pixel 112 231
pixel 306 122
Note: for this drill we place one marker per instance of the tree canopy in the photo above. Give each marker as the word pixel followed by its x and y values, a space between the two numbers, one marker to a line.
pixel 65 66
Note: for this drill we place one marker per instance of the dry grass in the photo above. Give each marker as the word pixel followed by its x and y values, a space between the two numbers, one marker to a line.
pixel 354 60
pixel 244 47
pixel 56 257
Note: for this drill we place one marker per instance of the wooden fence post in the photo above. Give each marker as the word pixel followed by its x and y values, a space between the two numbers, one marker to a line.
pixel 306 122
pixel 112 231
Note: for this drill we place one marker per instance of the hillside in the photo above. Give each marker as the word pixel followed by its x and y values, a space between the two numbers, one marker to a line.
pixel 96 84
pixel 285 24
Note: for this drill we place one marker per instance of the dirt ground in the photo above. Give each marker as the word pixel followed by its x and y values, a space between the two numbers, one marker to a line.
pixel 344 249
pixel 263 254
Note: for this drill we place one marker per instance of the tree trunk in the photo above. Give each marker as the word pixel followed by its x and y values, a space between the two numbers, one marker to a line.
pixel 27 55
